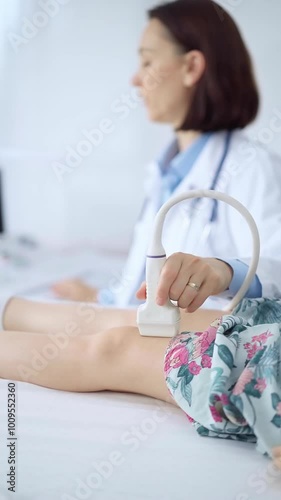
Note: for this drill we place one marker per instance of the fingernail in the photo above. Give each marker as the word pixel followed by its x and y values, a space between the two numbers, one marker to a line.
pixel 159 301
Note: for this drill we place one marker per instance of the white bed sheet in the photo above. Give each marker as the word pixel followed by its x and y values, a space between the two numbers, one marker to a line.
pixel 64 438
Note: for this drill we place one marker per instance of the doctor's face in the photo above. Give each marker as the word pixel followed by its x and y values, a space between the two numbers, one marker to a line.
pixel 161 76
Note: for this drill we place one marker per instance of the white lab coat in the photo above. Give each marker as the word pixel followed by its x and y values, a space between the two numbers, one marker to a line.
pixel 251 175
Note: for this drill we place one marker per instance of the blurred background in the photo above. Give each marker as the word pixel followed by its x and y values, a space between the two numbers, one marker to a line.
pixel 66 67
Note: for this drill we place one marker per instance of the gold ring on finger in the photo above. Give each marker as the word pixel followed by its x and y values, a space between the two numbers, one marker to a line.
pixel 193 285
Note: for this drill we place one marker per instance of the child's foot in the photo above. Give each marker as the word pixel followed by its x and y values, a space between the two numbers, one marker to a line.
pixel 76 290
pixel 276 452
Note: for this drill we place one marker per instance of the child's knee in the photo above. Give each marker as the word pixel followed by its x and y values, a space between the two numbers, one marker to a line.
pixel 116 341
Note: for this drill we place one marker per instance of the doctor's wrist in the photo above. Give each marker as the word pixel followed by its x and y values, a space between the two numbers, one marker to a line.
pixel 225 272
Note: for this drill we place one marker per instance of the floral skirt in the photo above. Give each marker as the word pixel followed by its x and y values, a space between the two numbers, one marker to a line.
pixel 228 378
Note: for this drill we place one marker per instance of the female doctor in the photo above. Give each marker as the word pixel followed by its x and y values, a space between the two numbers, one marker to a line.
pixel 204 87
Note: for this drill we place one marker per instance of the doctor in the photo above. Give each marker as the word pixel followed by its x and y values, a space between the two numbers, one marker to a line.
pixel 205 89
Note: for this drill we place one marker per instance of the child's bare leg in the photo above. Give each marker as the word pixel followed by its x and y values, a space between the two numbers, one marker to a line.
pixel 27 316
pixel 118 360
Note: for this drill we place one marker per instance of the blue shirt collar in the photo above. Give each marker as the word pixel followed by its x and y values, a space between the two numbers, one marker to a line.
pixel 181 162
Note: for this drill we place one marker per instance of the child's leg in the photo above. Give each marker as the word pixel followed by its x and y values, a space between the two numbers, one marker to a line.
pixel 27 316
pixel 118 360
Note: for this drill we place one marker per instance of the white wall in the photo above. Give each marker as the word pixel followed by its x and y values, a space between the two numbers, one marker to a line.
pixel 66 79
pixel 259 22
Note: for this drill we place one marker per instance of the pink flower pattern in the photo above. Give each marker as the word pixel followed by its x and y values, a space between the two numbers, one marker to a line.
pixel 257 344
pixel 179 355
pixel 194 368
pixel 176 357
pixel 260 385
pixel 253 350
pixel 215 414
pixel 202 343
pixel 190 354
pixel 206 361
pixel 191 420
pixel 224 399
pixel 245 377
pixel 262 337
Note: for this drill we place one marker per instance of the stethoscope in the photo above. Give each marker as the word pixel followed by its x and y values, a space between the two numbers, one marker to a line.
pixel 194 204
pixel 214 213
pixel 212 187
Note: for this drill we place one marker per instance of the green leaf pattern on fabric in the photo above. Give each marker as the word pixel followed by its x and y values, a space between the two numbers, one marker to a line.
pixel 226 356
pixel 227 379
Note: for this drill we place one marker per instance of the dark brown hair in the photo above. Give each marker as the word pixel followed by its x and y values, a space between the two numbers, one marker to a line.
pixel 226 96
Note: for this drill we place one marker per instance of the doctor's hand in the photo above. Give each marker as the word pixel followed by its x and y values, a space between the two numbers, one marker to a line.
pixel 190 280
